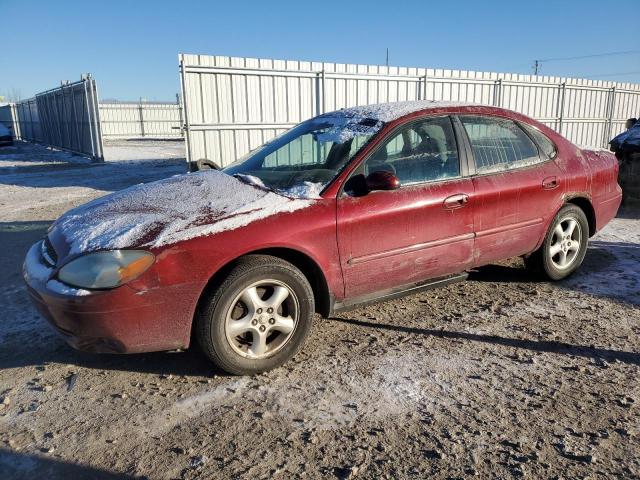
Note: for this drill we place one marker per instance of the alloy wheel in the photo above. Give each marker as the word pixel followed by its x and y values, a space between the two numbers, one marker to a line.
pixel 262 318
pixel 565 243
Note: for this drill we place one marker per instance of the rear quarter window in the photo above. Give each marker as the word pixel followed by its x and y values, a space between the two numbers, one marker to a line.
pixel 498 144
pixel 547 147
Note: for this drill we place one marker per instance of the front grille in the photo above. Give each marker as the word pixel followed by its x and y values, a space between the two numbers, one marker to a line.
pixel 48 253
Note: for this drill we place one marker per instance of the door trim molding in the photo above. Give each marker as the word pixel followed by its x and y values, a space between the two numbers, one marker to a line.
pixel 511 226
pixel 410 248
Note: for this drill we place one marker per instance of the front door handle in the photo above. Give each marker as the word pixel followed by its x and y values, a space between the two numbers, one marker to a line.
pixel 458 200
pixel 550 183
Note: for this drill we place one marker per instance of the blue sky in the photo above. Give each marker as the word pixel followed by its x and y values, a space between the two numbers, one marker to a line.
pixel 131 47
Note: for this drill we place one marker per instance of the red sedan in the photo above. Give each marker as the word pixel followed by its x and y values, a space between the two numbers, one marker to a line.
pixel 349 207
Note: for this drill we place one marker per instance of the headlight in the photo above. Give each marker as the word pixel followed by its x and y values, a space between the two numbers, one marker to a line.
pixel 106 269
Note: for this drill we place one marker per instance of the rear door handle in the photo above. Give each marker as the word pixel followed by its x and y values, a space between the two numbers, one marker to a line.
pixel 550 183
pixel 458 200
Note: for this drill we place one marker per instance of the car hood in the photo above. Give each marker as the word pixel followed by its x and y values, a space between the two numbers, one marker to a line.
pixel 166 212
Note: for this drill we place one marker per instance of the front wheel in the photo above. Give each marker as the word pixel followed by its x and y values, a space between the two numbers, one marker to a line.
pixel 564 246
pixel 258 317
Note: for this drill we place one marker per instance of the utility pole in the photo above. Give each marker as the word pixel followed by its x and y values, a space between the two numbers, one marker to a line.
pixel 536 67
pixel 387 62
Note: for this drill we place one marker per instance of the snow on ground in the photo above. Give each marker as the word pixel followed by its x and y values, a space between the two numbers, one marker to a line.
pixel 42 183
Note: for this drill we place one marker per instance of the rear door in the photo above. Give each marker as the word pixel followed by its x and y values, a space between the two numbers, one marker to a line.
pixel 424 229
pixel 517 188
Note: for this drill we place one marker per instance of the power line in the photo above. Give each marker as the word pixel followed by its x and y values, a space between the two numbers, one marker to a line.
pixel 594 55
pixel 537 64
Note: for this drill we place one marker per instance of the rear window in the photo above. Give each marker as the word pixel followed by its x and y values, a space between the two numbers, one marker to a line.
pixel 499 144
pixel 546 146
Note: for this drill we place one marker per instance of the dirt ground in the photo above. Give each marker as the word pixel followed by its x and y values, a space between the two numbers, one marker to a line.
pixel 501 376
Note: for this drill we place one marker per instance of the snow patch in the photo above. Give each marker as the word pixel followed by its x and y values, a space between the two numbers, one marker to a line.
pixel 169 211
pixel 306 190
pixel 62 289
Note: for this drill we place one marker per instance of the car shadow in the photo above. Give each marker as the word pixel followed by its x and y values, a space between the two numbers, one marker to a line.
pixel 632 358
pixel 629 212
pixel 16 238
pixel 17 466
pixel 53 350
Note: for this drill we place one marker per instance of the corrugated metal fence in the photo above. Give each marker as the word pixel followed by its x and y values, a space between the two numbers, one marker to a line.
pixel 233 105
pixel 23 118
pixel 141 119
pixel 66 117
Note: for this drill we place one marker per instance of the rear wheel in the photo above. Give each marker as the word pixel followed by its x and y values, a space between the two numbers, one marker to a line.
pixel 259 316
pixel 564 246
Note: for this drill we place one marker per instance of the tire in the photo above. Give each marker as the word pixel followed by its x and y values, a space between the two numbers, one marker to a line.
pixel 248 303
pixel 564 246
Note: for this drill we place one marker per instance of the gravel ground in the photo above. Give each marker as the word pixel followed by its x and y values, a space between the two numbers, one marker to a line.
pixel 501 376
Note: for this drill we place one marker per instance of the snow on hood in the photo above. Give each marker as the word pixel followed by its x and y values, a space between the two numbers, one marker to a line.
pixel 168 211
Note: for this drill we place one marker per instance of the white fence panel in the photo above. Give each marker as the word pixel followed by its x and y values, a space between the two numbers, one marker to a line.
pixel 142 119
pixel 232 105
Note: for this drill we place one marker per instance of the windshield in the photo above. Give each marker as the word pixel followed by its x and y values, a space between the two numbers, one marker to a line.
pixel 303 160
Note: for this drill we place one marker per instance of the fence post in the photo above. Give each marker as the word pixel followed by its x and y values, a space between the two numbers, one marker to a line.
pixel 186 111
pixel 180 114
pixel 560 109
pixel 89 119
pixel 497 93
pixel 320 93
pixel 424 96
pixel 612 109
pixel 31 127
pixel 141 117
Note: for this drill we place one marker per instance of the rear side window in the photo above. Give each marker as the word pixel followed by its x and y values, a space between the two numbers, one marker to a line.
pixel 546 145
pixel 499 144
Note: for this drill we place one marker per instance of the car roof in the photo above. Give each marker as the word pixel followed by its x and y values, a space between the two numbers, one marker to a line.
pixel 388 112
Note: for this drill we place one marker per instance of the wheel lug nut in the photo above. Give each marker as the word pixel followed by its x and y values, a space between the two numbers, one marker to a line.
pixel 254 322
pixel 262 328
pixel 269 310
pixel 272 321
pixel 259 310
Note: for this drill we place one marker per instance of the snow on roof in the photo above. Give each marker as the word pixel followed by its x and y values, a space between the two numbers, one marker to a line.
pixel 369 119
pixel 170 210
pixel 387 112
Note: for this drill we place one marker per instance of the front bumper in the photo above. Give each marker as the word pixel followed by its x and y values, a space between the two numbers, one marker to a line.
pixel 120 320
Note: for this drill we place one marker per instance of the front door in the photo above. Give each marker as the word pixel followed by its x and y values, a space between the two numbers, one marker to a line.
pixel 422 230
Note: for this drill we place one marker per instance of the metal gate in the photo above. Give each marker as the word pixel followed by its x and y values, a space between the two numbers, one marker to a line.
pixel 70 119
pixel 233 105
pixel 66 117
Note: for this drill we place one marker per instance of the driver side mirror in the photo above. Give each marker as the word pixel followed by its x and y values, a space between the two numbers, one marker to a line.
pixel 382 180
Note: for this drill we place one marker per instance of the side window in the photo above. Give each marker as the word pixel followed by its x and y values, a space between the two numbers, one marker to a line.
pixel 419 152
pixel 498 144
pixel 546 145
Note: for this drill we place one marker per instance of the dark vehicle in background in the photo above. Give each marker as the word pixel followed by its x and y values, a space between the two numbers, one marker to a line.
pixel 350 207
pixel 626 146
pixel 6 138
